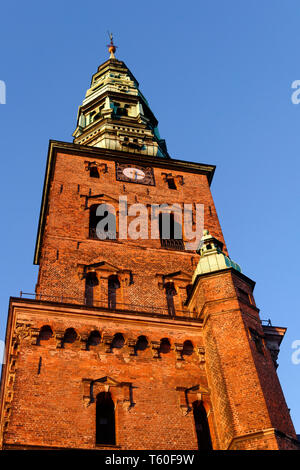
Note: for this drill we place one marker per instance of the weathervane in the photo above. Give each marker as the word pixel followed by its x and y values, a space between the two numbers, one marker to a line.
pixel 111 47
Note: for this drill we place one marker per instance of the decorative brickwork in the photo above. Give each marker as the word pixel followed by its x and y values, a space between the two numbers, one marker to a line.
pixel 162 345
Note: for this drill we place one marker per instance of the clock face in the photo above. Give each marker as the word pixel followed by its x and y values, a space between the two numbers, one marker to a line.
pixel 134 174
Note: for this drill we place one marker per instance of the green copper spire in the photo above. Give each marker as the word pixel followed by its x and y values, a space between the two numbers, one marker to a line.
pixel 115 115
pixel 212 257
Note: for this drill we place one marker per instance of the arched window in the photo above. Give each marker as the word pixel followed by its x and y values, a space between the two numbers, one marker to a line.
pixel 109 228
pixel 165 346
pixel 94 339
pixel 45 334
pixel 70 336
pixel 113 285
pixel 105 419
pixel 93 221
pixel 170 292
pixel 201 425
pixel 90 282
pixel 188 348
pixel 170 232
pixel 118 341
pixel 141 344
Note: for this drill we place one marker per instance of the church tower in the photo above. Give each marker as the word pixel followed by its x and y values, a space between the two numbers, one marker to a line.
pixel 138 336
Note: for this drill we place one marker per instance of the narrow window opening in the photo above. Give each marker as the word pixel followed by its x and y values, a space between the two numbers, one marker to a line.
pixel 170 232
pixel 170 293
pixel 95 219
pixel 113 286
pixel 201 425
pixel 105 419
pixel 189 289
pixel 39 366
pixel 91 116
pixel 91 282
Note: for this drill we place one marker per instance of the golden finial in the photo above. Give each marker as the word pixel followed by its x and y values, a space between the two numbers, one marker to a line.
pixel 111 47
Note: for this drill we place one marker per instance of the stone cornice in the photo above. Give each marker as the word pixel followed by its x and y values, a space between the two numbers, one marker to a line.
pixel 84 312
pixel 258 434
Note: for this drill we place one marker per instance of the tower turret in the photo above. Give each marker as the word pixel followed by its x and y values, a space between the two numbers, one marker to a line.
pixel 212 257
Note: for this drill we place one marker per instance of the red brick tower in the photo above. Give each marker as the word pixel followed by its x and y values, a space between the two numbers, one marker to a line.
pixel 135 342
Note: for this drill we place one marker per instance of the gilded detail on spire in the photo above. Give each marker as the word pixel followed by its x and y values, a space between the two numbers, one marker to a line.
pixel 111 47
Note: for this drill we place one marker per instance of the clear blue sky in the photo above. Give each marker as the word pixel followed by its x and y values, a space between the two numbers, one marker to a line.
pixel 218 76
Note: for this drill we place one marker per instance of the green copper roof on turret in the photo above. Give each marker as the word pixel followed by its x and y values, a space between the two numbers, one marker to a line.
pixel 212 257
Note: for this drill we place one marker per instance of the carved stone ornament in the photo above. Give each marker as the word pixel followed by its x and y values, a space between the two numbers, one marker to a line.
pixel 155 347
pixel 201 354
pixel 59 336
pixel 22 330
pixel 125 399
pixel 179 349
pixel 101 167
pixel 190 394
pixel 107 341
